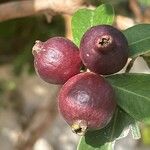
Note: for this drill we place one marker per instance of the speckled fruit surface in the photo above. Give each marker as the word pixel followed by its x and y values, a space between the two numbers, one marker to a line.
pixel 56 60
pixel 104 49
pixel 87 101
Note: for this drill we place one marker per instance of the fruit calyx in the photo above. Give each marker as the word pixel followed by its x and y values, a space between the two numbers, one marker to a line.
pixel 104 42
pixel 79 127
pixel 37 47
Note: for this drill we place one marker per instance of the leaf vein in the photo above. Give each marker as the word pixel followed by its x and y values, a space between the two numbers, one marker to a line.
pixel 139 41
pixel 120 88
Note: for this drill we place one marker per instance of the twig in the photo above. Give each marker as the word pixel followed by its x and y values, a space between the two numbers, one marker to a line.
pixel 68 26
pixel 147 15
pixel 18 9
pixel 130 65
pixel 134 6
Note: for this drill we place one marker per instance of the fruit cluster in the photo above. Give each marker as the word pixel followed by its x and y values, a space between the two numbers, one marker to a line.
pixel 86 100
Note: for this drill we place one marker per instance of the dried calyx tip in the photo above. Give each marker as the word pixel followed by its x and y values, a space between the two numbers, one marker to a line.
pixel 79 127
pixel 37 47
pixel 104 41
pixel 37 41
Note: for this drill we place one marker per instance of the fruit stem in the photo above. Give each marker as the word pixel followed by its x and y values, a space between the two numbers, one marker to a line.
pixel 79 127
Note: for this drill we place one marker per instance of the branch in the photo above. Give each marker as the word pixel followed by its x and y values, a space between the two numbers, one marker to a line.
pixel 130 65
pixel 147 15
pixel 42 120
pixel 134 6
pixel 18 9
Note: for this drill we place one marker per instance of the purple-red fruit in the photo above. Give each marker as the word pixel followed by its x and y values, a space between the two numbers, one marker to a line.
pixel 87 101
pixel 56 60
pixel 104 49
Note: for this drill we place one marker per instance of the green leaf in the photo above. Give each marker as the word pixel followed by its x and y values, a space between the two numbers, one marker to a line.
pixel 103 14
pixel 104 139
pixel 83 19
pixel 84 146
pixel 138 38
pixel 133 93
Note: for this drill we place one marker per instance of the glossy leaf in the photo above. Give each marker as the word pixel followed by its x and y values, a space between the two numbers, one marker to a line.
pixel 133 93
pixel 103 14
pixel 83 19
pixel 104 139
pixel 138 38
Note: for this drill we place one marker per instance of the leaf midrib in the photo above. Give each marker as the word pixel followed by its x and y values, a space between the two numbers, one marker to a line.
pixel 139 41
pixel 120 88
pixel 92 19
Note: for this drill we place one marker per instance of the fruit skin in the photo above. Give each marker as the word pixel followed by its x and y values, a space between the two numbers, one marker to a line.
pixel 86 101
pixel 56 60
pixel 104 49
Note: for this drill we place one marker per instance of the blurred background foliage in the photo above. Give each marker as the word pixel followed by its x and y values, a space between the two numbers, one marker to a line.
pixel 18 36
